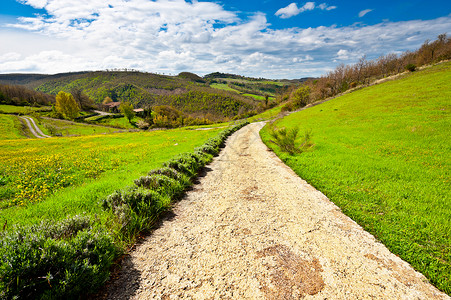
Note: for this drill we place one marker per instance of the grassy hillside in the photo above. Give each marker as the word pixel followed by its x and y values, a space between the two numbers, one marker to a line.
pixel 10 128
pixel 189 94
pixel 216 96
pixel 382 154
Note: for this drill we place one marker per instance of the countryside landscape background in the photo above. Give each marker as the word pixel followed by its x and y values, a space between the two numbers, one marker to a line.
pixel 113 151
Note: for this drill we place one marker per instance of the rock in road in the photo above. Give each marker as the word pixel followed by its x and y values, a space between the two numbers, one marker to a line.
pixel 252 229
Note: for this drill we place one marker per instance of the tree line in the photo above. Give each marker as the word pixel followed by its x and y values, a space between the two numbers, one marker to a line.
pixel 21 96
pixel 346 77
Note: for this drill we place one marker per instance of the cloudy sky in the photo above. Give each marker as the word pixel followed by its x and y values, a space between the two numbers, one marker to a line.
pixel 260 38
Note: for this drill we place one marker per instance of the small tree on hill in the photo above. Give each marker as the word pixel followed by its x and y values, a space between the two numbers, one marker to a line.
pixel 127 109
pixel 301 96
pixel 67 106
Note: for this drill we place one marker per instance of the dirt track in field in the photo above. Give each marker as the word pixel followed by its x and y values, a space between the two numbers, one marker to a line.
pixel 252 229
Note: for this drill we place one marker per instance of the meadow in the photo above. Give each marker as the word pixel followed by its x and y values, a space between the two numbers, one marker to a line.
pixel 267 115
pixel 382 154
pixel 20 109
pixel 70 128
pixel 52 178
pixel 10 127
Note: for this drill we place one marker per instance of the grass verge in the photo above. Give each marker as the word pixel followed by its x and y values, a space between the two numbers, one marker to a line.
pixel 10 128
pixel 382 155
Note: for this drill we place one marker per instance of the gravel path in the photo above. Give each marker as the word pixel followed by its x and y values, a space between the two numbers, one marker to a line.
pixel 34 129
pixel 252 229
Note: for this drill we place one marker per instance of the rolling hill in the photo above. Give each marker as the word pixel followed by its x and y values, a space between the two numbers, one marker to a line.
pixel 187 92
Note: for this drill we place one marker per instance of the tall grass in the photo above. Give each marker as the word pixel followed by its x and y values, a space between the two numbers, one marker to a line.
pixel 382 155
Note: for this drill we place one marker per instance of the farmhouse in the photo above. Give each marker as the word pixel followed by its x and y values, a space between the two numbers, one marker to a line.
pixel 112 107
pixel 139 112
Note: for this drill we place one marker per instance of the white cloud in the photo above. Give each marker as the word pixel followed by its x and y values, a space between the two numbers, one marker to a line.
pixel 289 11
pixel 364 12
pixel 324 6
pixel 343 54
pixel 293 9
pixel 169 36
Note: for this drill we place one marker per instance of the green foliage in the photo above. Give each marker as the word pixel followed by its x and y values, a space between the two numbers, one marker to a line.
pixel 285 139
pixel 382 155
pixel 10 128
pixel 55 261
pixel 191 76
pixel 135 210
pixel 298 98
pixel 411 67
pixel 127 109
pixel 186 92
pixel 67 106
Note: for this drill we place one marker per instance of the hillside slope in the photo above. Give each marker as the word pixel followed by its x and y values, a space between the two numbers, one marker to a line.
pixel 188 92
pixel 382 155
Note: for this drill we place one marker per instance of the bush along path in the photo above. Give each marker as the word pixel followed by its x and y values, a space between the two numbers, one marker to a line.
pixel 72 258
pixel 252 229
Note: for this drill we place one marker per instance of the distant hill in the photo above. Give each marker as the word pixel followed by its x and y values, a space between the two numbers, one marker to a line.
pixel 187 92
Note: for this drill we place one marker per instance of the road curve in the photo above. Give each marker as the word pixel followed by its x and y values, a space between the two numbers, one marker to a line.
pixel 252 229
pixel 35 130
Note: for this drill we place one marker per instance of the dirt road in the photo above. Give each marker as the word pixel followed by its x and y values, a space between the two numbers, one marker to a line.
pixel 34 129
pixel 252 229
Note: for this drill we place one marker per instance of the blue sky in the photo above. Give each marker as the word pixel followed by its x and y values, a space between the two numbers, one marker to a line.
pixel 267 38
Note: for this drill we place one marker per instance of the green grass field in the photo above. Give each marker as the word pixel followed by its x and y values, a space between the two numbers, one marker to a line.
pixel 223 86
pixel 10 127
pixel 266 115
pixel 20 109
pixel 53 178
pixel 117 122
pixel 69 128
pixel 382 154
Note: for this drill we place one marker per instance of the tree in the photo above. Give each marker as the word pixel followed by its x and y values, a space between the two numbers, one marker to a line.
pixel 301 96
pixel 107 100
pixel 67 106
pixel 127 109
pixel 82 99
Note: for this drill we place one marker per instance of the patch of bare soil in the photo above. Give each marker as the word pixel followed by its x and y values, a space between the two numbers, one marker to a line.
pixel 252 229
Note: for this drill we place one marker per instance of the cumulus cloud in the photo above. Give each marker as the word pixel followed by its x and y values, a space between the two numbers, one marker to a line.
pixel 364 12
pixel 170 36
pixel 293 9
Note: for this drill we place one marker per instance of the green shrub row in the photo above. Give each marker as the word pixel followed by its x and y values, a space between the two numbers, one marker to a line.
pixel 54 261
pixel 73 257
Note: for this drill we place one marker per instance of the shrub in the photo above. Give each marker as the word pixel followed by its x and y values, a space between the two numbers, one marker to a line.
pixel 135 210
pixel 63 260
pixel 51 129
pixel 286 140
pixel 411 67
pixel 167 172
pixel 186 163
pixel 163 184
